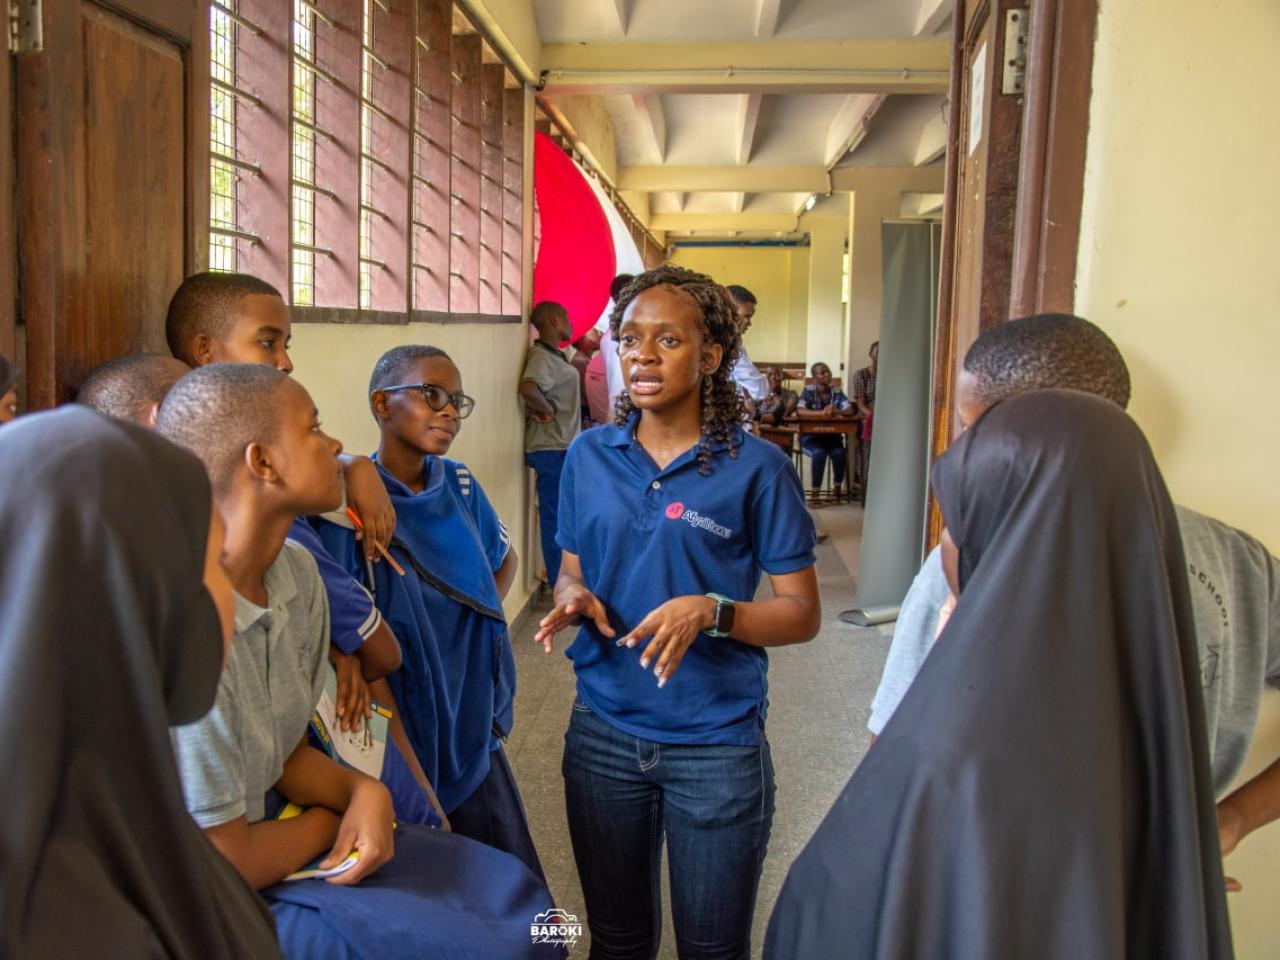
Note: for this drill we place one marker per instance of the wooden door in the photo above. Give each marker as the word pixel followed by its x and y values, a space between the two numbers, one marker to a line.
pixel 111 178
pixel 1015 176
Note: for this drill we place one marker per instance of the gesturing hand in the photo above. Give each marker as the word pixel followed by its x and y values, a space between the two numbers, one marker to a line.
pixel 576 601
pixel 366 826
pixel 674 626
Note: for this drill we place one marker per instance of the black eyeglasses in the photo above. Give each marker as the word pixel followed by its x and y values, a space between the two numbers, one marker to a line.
pixel 437 397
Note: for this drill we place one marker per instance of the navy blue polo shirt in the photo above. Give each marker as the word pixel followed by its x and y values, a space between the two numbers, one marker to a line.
pixel 644 536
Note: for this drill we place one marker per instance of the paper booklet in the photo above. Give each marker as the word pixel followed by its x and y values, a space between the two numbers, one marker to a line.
pixel 362 748
pixel 312 870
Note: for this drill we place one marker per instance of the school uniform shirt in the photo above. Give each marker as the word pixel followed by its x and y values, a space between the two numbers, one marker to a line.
pixel 645 536
pixel 273 679
pixel 1235 597
pixel 353 618
pixel 456 683
pixel 810 399
pixel 551 372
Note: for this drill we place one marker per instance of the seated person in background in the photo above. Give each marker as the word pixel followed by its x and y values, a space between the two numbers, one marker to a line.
pixel 1233 577
pixel 780 404
pixel 822 401
pixel 237 318
pixel 131 387
pixel 8 389
pixel 100 857
pixel 1044 789
pixel 457 682
pixel 258 434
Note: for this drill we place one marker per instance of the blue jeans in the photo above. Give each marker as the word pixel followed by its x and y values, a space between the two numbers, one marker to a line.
pixel 713 803
pixel 547 465
pixel 819 447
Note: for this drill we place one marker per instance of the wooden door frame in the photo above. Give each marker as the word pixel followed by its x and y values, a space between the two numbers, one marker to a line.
pixel 48 118
pixel 1036 272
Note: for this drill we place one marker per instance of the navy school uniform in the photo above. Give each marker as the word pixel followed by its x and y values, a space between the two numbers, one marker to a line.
pixel 644 536
pixel 352 620
pixel 456 685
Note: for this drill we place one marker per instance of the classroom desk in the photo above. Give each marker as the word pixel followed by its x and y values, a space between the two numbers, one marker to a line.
pixel 806 426
pixel 784 436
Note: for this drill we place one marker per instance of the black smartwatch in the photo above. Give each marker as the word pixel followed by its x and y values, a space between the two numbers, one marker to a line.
pixel 723 625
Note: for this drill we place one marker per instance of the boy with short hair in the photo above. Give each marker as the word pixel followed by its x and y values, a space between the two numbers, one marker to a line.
pixel 259 436
pixel 238 318
pixel 457 682
pixel 551 390
pixel 132 387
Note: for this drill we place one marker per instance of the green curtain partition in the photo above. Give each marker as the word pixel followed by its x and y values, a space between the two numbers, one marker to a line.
pixel 893 528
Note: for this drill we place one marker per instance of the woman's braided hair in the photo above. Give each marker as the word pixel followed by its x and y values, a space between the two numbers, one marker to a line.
pixel 722 408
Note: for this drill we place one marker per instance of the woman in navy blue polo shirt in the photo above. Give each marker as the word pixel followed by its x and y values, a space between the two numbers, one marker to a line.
pixel 667 519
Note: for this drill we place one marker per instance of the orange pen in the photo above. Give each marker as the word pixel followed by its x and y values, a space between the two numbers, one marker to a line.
pixel 376 545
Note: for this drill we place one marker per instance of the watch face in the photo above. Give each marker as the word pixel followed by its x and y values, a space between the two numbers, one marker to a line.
pixel 724 618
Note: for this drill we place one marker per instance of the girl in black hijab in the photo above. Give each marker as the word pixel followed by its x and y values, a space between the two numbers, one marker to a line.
pixel 107 637
pixel 1044 789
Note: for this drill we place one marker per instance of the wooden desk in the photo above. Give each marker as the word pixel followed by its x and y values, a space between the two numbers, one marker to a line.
pixel 809 426
pixel 784 436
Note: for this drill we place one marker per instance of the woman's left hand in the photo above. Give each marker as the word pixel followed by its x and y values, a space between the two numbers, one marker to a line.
pixel 367 496
pixel 674 626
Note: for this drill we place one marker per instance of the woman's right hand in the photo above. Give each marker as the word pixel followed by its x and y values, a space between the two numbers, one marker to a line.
pixel 574 601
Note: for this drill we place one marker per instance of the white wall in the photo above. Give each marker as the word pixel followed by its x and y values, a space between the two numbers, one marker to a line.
pixel 1178 263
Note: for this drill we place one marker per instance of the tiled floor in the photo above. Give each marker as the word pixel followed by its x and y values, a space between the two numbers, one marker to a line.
pixel 819 697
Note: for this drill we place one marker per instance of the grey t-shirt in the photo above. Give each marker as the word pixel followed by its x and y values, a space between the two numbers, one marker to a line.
pixel 559 382
pixel 272 683
pixel 1235 597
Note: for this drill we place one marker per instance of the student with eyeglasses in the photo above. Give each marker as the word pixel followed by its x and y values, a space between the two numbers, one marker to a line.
pixel 456 683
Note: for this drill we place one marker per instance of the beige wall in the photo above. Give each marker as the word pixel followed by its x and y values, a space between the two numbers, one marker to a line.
pixel 1177 262
pixel 778 276
pixel 333 361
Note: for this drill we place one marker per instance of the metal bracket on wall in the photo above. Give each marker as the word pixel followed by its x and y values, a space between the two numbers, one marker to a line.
pixel 26 26
pixel 1014 72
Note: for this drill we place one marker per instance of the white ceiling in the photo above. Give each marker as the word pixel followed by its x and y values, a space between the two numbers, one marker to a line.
pixel 570 21
pixel 759 129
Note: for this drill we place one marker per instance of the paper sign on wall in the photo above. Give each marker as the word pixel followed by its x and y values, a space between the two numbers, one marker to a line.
pixel 977 95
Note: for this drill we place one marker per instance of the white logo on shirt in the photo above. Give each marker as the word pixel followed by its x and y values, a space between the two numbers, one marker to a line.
pixel 676 511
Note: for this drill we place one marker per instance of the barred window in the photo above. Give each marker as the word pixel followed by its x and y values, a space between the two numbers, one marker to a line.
pixel 366 156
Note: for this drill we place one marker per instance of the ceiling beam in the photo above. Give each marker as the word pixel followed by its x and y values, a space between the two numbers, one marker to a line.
pixel 933 140
pixel 767 18
pixel 738 200
pixel 779 179
pixel 849 125
pixel 784 222
pixel 653 123
pixel 748 114
pixel 808 66
pixel 931 14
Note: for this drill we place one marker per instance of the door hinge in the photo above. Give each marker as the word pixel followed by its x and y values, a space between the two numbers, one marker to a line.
pixel 1014 75
pixel 26 26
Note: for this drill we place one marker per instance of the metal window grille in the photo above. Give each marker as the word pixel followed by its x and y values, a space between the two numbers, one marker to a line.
pixel 302 205
pixel 223 176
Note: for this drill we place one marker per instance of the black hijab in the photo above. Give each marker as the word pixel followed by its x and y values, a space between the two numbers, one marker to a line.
pixel 107 637
pixel 1044 789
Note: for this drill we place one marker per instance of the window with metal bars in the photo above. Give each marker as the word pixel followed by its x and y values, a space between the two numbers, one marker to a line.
pixel 346 158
